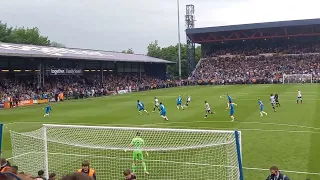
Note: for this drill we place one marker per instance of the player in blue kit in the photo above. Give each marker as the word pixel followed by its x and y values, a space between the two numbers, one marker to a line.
pixel 163 112
pixel 229 101
pixel 231 105
pixel 48 110
pixel 261 106
pixel 179 103
pixel 140 107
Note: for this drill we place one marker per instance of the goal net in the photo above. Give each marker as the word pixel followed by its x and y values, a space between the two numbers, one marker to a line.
pixel 168 153
pixel 297 78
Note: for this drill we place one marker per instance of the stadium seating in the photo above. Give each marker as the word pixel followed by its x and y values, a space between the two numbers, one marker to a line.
pixel 266 68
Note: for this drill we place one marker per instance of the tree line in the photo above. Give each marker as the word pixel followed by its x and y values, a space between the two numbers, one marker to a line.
pixel 171 53
pixel 22 35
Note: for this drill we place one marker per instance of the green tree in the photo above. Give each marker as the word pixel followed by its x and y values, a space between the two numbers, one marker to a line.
pixel 22 35
pixel 198 53
pixel 5 32
pixel 171 53
pixel 154 49
pixel 28 36
pixel 128 51
pixel 56 44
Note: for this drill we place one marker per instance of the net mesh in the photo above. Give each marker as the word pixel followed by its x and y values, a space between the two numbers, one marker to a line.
pixel 172 154
pixel 297 78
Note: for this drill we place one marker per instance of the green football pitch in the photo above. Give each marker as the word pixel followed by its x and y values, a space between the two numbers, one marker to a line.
pixel 288 138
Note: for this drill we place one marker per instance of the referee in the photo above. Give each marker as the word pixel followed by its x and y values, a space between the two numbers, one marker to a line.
pixel 276 175
pixel 276 97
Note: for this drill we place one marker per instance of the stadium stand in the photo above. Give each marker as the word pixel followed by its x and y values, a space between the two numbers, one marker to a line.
pixel 38 73
pixel 257 53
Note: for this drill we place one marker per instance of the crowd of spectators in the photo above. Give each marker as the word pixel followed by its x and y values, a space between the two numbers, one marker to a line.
pixel 253 49
pixel 11 172
pixel 21 88
pixel 263 68
pixel 224 69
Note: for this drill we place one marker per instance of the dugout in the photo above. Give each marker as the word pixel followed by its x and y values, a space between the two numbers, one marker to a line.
pixel 258 35
pixel 41 61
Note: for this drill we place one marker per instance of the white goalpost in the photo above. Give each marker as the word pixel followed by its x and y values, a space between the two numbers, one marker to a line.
pixel 296 78
pixel 171 153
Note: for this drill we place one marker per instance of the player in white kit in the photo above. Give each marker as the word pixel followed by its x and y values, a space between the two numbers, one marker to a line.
pixel 273 102
pixel 188 101
pixel 207 107
pixel 299 97
pixel 156 104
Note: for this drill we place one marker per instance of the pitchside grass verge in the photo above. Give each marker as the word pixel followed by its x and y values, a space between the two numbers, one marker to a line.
pixel 288 138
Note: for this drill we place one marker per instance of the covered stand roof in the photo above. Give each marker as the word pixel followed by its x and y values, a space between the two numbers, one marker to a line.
pixel 308 27
pixel 22 50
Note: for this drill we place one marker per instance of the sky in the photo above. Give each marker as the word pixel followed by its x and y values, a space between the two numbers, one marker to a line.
pixel 116 25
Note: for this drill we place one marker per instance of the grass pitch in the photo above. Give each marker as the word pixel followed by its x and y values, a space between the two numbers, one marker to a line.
pixel 288 138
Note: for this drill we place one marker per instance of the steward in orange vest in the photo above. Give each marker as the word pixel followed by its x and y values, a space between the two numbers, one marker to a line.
pixel 89 171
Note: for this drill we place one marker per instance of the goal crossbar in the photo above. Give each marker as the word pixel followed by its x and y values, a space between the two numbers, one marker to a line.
pixel 137 128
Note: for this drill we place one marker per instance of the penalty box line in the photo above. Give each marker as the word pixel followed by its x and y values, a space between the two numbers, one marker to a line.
pixel 244 122
pixel 164 161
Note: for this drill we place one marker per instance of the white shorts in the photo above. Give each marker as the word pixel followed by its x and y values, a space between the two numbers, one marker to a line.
pixel 156 105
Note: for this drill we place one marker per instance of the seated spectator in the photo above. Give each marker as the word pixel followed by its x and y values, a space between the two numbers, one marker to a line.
pixel 40 175
pixel 25 176
pixel 52 176
pixel 87 170
pixel 4 164
pixel 14 169
pixel 128 175
pixel 77 176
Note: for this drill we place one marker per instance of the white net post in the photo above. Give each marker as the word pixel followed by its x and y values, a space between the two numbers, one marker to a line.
pixel 45 155
pixel 172 153
pixel 297 78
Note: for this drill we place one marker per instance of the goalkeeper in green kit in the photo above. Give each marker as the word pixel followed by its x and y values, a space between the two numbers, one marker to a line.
pixel 137 143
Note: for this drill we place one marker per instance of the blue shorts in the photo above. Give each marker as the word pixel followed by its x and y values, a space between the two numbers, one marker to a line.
pixel 231 113
pixel 163 113
pixel 230 102
pixel 179 104
pixel 47 112
pixel 141 109
pixel 261 109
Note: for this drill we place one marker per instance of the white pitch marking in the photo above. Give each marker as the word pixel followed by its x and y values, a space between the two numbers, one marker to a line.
pixel 288 171
pixel 263 130
pixel 245 122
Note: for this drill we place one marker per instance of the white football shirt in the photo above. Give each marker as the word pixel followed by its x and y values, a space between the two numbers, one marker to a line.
pixel 156 102
pixel 299 94
pixel 272 99
pixel 207 106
